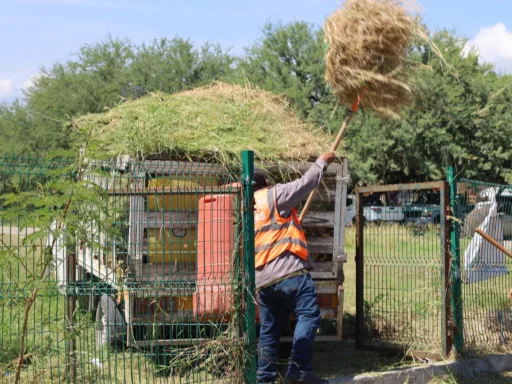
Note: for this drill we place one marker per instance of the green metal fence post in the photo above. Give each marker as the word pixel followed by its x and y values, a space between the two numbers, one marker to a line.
pixel 250 286
pixel 456 281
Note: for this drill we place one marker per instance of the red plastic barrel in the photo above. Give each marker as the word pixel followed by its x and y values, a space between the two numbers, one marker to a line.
pixel 215 252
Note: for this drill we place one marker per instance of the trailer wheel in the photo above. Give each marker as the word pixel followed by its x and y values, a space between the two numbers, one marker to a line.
pixel 110 324
pixel 354 220
pixel 88 296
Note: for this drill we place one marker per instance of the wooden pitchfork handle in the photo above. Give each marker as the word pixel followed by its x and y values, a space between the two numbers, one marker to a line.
pixel 334 147
pixel 493 242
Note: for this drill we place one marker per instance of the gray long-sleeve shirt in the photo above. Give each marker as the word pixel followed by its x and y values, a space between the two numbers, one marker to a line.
pixel 287 197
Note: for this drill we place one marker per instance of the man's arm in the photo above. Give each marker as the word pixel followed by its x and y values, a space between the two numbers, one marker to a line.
pixel 290 194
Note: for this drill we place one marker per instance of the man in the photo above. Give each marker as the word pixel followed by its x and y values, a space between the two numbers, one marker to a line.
pixel 283 283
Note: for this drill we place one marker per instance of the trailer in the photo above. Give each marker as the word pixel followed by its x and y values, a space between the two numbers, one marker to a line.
pixel 169 275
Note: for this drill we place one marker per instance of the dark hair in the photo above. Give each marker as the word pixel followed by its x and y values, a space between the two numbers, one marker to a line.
pixel 260 181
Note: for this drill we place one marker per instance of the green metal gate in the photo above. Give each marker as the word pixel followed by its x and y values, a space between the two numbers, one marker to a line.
pixel 402 267
pixel 484 277
pixel 126 271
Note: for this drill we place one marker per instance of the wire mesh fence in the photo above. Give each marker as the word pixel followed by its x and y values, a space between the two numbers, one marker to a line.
pixel 486 282
pixel 121 272
pixel 402 269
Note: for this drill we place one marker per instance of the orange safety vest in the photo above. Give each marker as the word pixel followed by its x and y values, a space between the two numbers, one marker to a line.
pixel 274 234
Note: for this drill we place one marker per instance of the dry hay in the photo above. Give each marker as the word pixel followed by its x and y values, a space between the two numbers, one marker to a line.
pixel 368 42
pixel 213 123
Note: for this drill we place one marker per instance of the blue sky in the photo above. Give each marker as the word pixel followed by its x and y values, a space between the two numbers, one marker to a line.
pixel 34 33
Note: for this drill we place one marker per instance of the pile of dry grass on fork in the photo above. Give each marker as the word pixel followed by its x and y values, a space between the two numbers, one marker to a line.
pixel 368 42
pixel 213 123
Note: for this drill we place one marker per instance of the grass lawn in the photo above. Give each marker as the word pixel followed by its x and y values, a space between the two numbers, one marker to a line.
pixel 403 300
pixel 403 290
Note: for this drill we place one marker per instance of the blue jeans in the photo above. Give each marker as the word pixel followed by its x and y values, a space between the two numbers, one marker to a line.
pixel 296 295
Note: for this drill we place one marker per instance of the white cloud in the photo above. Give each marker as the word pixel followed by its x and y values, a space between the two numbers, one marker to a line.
pixel 6 88
pixel 494 45
pixel 29 83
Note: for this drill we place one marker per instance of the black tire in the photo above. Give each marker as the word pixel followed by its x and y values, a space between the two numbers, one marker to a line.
pixel 354 220
pixel 88 297
pixel 110 324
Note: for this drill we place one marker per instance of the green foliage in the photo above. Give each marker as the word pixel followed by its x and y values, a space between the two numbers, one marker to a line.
pixel 59 203
pixel 175 65
pixel 459 114
pixel 15 124
pixel 289 60
pixel 101 76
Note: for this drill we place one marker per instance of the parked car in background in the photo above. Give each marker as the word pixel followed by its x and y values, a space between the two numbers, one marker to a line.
pixel 373 211
pixel 425 208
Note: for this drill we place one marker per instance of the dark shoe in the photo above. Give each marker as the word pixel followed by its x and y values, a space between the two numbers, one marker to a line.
pixel 305 378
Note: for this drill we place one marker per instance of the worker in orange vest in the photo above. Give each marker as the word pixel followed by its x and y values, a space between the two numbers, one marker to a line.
pixel 283 283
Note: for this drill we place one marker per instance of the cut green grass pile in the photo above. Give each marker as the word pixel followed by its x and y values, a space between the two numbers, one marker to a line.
pixel 215 122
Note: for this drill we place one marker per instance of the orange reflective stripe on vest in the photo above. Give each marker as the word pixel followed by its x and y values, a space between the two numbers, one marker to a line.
pixel 274 234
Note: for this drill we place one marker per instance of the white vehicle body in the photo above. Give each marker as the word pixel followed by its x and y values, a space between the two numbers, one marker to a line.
pixel 373 213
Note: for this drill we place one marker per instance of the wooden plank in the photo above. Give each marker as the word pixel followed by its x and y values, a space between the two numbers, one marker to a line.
pixel 324 270
pixel 93 266
pixel 318 339
pixel 320 245
pixel 166 342
pixel 360 318
pixel 174 219
pixel 327 287
pixel 339 321
pixel 298 167
pixel 136 232
pixel 400 187
pixel 180 167
pixel 158 191
pixel 340 211
pixel 168 273
pixel 324 195
pixel 315 219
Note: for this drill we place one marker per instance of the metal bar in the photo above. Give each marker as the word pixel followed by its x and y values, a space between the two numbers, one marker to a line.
pixel 337 246
pixel 249 264
pixel 299 167
pixel 359 271
pixel 493 242
pixel 167 342
pixel 180 167
pixel 320 219
pixel 70 315
pixel 447 338
pixel 162 191
pixel 321 338
pixel 339 322
pixel 400 187
pixel 456 280
pixel 321 245
pixel 341 256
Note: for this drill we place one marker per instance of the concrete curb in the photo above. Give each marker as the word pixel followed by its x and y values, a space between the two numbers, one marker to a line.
pixel 423 374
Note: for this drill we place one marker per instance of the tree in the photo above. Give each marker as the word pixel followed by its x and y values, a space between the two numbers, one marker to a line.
pixel 111 71
pixel 459 115
pixel 16 129
pixel 289 60
pixel 175 65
